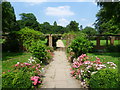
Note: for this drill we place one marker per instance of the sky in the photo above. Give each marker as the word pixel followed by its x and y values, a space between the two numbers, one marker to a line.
pixel 62 11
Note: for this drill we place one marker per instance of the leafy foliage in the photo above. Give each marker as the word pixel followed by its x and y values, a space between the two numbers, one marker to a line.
pixel 73 26
pixel 9 22
pixel 27 36
pixel 108 18
pixel 107 78
pixel 80 45
pixel 89 31
pixel 29 20
pixel 11 43
pixel 16 79
pixel 38 50
pixel 112 48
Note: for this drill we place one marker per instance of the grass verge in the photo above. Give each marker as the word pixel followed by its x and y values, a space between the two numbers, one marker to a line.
pixel 10 59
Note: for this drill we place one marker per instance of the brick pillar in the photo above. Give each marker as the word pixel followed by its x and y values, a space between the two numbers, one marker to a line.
pixel 98 41
pixel 50 40
pixel 112 40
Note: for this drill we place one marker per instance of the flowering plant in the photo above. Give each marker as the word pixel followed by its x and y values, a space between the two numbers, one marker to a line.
pixel 34 69
pixel 83 68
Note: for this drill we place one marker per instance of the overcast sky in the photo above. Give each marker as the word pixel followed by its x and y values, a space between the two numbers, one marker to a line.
pixel 62 11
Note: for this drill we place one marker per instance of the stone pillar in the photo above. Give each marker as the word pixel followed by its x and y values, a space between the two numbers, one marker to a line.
pixel 50 40
pixel 112 40
pixel 98 41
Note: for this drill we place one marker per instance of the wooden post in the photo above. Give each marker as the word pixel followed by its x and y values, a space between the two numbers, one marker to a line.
pixel 98 41
pixel 106 41
pixel 112 40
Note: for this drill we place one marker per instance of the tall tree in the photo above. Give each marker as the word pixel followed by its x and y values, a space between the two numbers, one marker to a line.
pixel 89 31
pixel 8 18
pixel 73 26
pixel 55 23
pixel 81 27
pixel 108 18
pixel 29 20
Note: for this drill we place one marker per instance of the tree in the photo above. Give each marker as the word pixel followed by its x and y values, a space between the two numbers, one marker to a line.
pixel 29 20
pixel 46 28
pixel 73 26
pixel 108 18
pixel 89 31
pixel 55 23
pixel 81 27
pixel 8 18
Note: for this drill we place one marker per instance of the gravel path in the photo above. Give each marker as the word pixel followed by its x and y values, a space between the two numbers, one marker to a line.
pixel 58 73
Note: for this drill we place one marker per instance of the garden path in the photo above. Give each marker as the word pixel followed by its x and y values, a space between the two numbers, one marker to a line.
pixel 58 73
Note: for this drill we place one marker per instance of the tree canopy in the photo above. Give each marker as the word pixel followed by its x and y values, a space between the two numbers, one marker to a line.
pixel 108 18
pixel 9 20
pixel 89 31
pixel 29 20
pixel 73 26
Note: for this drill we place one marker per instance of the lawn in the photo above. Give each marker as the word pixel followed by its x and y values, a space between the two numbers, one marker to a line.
pixel 106 57
pixel 64 41
pixel 103 42
pixel 10 59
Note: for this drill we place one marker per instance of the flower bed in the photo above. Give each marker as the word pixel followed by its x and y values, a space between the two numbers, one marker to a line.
pixel 83 68
pixel 23 75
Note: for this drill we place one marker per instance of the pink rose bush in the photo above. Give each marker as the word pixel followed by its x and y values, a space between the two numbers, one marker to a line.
pixel 83 68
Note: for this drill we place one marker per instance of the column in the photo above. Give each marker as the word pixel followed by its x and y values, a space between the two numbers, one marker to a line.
pixel 50 40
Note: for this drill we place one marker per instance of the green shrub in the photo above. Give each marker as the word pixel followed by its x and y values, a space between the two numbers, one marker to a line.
pixel 80 45
pixel 106 78
pixel 112 48
pixel 38 50
pixel 11 43
pixel 16 79
pixel 27 36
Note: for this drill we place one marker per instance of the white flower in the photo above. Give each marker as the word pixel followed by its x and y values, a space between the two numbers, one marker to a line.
pixel 110 63
pixel 82 70
pixel 113 67
pixel 98 68
pixel 79 76
pixel 93 73
pixel 41 62
pixel 18 62
pixel 89 71
pixel 88 67
pixel 32 60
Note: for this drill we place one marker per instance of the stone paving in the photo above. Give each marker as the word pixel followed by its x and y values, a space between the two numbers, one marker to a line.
pixel 58 73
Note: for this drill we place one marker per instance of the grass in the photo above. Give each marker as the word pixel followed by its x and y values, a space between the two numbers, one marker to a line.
pixel 2 41
pixel 10 59
pixel 103 42
pixel 64 42
pixel 106 57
